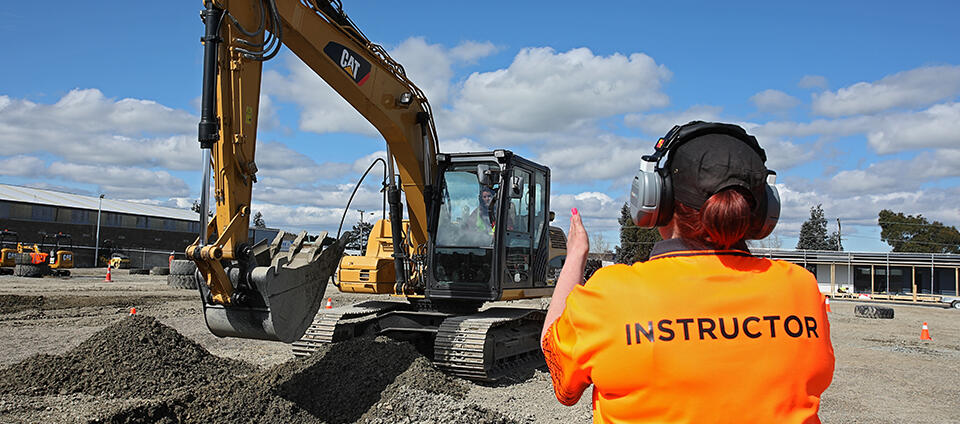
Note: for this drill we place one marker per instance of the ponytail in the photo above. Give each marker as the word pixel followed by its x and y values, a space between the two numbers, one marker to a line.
pixel 724 220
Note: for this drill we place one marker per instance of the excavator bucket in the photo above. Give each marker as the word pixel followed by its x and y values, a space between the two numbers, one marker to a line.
pixel 288 291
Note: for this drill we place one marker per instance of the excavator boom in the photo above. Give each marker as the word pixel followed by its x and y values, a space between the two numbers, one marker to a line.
pixel 261 292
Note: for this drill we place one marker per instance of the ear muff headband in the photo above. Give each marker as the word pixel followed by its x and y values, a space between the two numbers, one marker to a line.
pixel 651 193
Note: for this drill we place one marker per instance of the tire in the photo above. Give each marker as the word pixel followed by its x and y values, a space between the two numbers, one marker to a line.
pixel 955 304
pixel 870 311
pixel 159 270
pixel 6 271
pixel 139 271
pixel 29 270
pixel 182 281
pixel 182 267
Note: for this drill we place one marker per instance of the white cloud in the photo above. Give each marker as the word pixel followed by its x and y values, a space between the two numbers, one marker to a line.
pixel 938 126
pixel 22 166
pixel 935 127
pixel 470 51
pixel 861 209
pixel 913 88
pixel 813 81
pixel 771 100
pixel 599 211
pixel 783 155
pixel 122 182
pixel 657 124
pixel 360 165
pixel 297 218
pixel 889 176
pixel 546 91
pixel 605 158
pixel 86 127
pixel 462 145
pixel 322 110
pixel 278 164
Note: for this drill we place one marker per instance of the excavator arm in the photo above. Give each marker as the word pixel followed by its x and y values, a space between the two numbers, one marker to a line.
pixel 258 291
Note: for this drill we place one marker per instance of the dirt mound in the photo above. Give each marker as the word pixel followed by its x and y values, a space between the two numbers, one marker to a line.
pixel 136 357
pixel 10 303
pixel 362 380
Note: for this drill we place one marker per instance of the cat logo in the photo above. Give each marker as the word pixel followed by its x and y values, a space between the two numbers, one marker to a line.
pixel 352 63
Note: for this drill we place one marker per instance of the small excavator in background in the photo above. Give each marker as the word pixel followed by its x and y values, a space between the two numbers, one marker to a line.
pixel 112 256
pixel 441 266
pixel 9 242
pixel 61 253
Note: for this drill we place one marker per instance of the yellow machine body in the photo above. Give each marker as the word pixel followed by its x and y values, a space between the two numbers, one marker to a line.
pixel 62 259
pixel 374 272
pixel 9 256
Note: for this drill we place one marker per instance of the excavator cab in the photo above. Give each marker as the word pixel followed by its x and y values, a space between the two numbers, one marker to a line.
pixel 490 241
pixel 61 252
pixel 488 236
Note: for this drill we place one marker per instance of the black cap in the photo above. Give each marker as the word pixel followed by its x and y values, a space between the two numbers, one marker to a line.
pixel 704 165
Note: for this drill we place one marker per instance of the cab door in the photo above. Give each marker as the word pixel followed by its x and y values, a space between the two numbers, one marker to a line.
pixel 518 237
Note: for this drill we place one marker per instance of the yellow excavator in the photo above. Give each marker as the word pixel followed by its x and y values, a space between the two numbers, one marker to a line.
pixel 9 242
pixel 477 227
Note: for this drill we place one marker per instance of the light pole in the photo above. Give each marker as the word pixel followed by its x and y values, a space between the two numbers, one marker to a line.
pixel 96 248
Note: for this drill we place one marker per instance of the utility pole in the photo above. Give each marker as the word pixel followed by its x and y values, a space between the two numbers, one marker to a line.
pixel 96 248
pixel 361 214
pixel 839 235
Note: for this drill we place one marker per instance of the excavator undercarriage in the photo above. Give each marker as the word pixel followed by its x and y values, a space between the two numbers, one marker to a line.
pixel 483 345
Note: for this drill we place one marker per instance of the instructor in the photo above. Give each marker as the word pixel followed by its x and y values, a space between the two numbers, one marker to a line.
pixel 703 331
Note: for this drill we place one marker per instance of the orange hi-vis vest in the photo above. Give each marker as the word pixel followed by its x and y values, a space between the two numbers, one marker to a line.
pixel 694 336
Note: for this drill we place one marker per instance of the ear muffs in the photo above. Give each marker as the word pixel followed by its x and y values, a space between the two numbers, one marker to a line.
pixel 770 211
pixel 651 193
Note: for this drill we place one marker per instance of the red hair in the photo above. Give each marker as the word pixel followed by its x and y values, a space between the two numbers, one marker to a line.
pixel 724 220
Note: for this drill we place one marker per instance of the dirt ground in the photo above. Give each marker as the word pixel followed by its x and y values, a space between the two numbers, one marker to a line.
pixel 884 373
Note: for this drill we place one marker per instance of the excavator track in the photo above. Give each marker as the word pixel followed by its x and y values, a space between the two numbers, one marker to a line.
pixel 490 344
pixel 333 325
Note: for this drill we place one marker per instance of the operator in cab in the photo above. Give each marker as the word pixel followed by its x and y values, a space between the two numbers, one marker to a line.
pixel 483 218
pixel 702 332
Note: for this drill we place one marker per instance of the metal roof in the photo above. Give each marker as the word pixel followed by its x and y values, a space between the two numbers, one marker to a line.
pixel 861 258
pixel 22 194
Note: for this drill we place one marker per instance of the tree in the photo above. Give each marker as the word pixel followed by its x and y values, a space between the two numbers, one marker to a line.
pixel 357 237
pixel 908 233
pixel 258 221
pixel 635 242
pixel 813 232
pixel 598 243
pixel 772 241
pixel 196 208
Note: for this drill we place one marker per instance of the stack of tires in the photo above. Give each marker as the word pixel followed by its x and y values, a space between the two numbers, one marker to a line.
pixel 24 266
pixel 183 274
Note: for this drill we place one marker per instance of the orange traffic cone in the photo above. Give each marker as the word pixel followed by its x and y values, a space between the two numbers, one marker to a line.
pixel 108 275
pixel 826 301
pixel 329 303
pixel 925 333
pixel 133 311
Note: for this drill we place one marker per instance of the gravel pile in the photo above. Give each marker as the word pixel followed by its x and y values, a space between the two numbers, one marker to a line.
pixel 362 381
pixel 136 357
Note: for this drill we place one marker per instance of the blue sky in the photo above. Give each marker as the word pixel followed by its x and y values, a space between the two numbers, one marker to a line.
pixel 856 103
